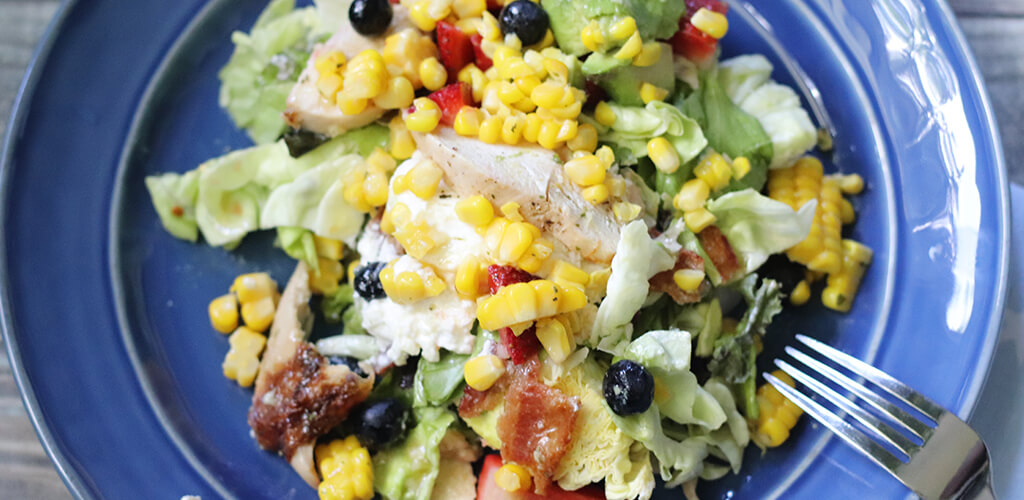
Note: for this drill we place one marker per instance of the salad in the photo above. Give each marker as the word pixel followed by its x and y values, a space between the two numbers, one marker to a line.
pixel 546 240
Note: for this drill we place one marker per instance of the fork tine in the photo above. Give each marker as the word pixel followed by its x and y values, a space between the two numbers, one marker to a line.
pixel 895 413
pixel 878 377
pixel 870 421
pixel 847 432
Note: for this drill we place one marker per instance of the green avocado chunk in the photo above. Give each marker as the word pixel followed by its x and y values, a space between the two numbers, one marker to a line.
pixel 655 19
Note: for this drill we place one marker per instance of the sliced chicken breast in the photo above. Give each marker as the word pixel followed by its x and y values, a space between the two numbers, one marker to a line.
pixel 531 176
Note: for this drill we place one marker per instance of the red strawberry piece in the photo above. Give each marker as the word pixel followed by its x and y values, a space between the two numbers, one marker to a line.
pixel 520 348
pixel 455 48
pixel 451 98
pixel 501 276
pixel 482 61
pixel 693 43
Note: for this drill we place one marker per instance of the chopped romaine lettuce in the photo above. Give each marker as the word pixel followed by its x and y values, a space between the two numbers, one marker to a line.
pixel 408 470
pixel 637 258
pixel 264 66
pixel 315 201
pixel 355 346
pixel 334 305
pixel 298 244
pixel 437 383
pixel 758 226
pixel 678 461
pixel 229 202
pixel 635 126
pixel 174 197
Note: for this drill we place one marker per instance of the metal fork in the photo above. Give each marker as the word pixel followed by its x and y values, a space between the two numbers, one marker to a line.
pixel 948 460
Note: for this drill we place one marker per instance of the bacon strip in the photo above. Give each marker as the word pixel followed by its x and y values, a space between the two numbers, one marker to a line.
pixel 720 251
pixel 664 282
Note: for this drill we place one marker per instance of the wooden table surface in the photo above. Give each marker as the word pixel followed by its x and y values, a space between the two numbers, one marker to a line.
pixel 995 29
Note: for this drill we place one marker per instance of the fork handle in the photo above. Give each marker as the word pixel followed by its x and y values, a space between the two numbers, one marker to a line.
pixel 980 490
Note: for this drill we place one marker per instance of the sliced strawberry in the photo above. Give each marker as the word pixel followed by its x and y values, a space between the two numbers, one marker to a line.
pixel 693 44
pixel 482 61
pixel 455 48
pixel 521 348
pixel 501 276
pixel 487 489
pixel 451 98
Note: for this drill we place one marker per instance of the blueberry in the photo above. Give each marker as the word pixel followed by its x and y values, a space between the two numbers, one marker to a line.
pixel 370 17
pixel 628 388
pixel 382 422
pixel 367 281
pixel 349 361
pixel 526 19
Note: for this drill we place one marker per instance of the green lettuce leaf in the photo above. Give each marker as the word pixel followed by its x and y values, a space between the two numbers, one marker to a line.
pixel 408 471
pixel 298 244
pixel 437 383
pixel 229 201
pixel 730 130
pixel 655 20
pixel 174 197
pixel 334 305
pixel 637 258
pixel 678 460
pixel 635 126
pixel 315 201
pixel 758 226
pixel 728 441
pixel 265 65
pixel 356 346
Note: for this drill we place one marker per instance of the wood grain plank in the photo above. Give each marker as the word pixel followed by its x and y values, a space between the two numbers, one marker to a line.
pixel 21 25
pixel 988 7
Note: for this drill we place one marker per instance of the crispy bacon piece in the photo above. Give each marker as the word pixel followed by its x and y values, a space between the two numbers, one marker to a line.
pixel 536 425
pixel 474 402
pixel 664 282
pixel 720 251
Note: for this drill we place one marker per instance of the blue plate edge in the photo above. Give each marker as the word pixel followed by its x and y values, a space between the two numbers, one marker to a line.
pixel 74 481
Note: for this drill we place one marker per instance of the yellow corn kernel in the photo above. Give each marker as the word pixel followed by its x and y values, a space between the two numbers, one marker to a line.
pixel 532 129
pixel 375 187
pixel 467 121
pixel 512 478
pixel 350 273
pixel 526 84
pixel 475 78
pixel 425 117
pixel 616 185
pixel 331 62
pixel 604 114
pixel 547 41
pixel 585 171
pixel 534 258
pixel 417 239
pixel 585 140
pixel 258 315
pixel 471 279
pixel 381 160
pixel 740 167
pixel 548 94
pixel 253 286
pixel 688 280
pixel 515 241
pixel 566 274
pixel 650 53
pixel 599 280
pixel 424 179
pixel 490 129
pixel 325 279
pixel 512 129
pixel 242 361
pixel 475 211
pixel 801 293
pixel 511 211
pixel 624 28
pixel 353 191
pixel 468 25
pixel 403 52
pixel 469 8
pixel 592 36
pixel 606 155
pixel 346 469
pixel 401 141
pixel 777 415
pixel 631 48
pixel 715 171
pixel 524 302
pixel 596 194
pixel 420 16
pixel 509 93
pixel 710 22
pixel 548 135
pixel 224 313
pixel 398 94
pixel 692 196
pixel 851 184
pixel 846 212
pixel 841 287
pixel 697 220
pixel 329 247
pixel 403 288
pixel 650 93
pixel 483 371
pixel 493 232
pixel 556 70
pixel 489 29
pixel 625 211
pixel 555 339
pixel 663 154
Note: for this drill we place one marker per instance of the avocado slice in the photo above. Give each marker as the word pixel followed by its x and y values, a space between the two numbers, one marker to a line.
pixel 655 19
pixel 622 80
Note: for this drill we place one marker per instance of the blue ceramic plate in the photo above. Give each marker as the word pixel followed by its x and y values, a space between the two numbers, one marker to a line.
pixel 104 312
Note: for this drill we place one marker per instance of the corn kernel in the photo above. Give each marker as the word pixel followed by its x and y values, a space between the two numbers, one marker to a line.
pixel 592 36
pixel 401 141
pixel 616 185
pixel 710 22
pixel 471 279
pixel 346 469
pixel 259 314
pixel 631 48
pixel 624 28
pixel 649 93
pixel 556 70
pixel 467 121
pixel 801 293
pixel 650 53
pixel 697 220
pixel 715 171
pixel 688 280
pixel 469 8
pixel 555 339
pixel 532 129
pixel 566 274
pixel 224 313
pixel 547 41
pixel 511 211
pixel 692 196
pixel 604 114
pixel 512 129
pixel 325 279
pixel 483 371
pixel 421 17
pixel 515 241
pixel 253 286
pixel 740 167
pixel 489 29
pixel 512 478
pixel 851 184
pixel 547 94
pixel 596 194
pixel 625 211
pixel 663 154
pixel 475 211
pixel 585 140
pixel 547 137
pixel 585 171
pixel 425 117
pixel 242 361
pixel 847 214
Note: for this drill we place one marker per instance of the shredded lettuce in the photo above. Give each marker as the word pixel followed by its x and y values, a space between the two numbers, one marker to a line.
pixel 637 258
pixel 635 126
pixel 728 441
pixel 407 471
pixel 437 383
pixel 747 82
pixel 334 305
pixel 174 197
pixel 229 202
pixel 315 201
pixel 678 460
pixel 758 226
pixel 298 244
pixel 355 346
pixel 264 66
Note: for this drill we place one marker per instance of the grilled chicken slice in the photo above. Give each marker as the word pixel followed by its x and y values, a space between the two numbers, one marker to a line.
pixel 531 176
pixel 299 395
pixel 309 110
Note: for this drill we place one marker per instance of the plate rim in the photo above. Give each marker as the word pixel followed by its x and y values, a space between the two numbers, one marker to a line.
pixel 76 485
